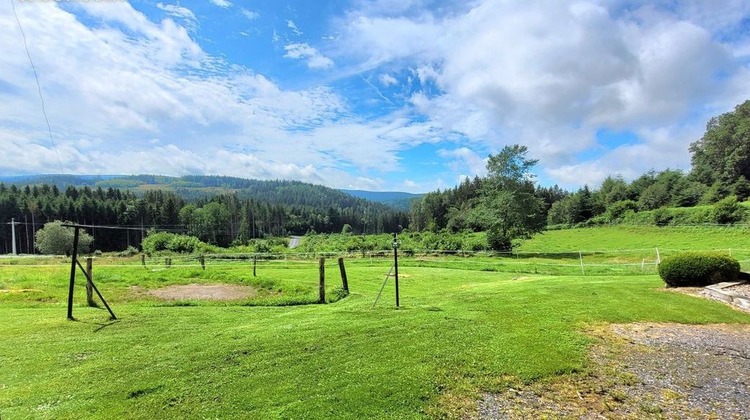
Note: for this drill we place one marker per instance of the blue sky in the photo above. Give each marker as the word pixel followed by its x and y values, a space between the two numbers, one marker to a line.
pixel 408 95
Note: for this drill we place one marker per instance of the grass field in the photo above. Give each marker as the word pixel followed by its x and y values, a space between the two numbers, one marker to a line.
pixel 462 330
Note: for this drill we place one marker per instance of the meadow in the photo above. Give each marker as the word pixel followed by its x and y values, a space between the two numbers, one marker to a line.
pixel 466 325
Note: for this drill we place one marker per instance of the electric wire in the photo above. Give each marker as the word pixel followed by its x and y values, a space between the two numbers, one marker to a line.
pixel 38 86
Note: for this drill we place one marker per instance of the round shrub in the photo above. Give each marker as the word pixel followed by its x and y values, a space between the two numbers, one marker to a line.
pixel 698 269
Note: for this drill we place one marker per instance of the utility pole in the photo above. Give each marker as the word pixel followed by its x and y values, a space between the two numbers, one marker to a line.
pixel 13 224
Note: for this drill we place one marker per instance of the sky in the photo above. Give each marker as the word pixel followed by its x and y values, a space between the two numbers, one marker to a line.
pixel 383 95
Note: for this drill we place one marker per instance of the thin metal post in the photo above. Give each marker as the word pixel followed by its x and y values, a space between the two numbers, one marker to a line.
pixel 13 234
pixel 322 282
pixel 73 261
pixel 395 265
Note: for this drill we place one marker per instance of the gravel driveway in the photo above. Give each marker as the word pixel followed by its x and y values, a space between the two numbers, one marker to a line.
pixel 644 371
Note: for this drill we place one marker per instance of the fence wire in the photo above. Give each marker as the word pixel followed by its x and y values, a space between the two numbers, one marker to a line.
pixel 579 262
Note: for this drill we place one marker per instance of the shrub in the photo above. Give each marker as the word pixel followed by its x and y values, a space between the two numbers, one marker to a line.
pixel 662 216
pixel 183 243
pixel 53 238
pixel 617 209
pixel 497 241
pixel 128 252
pixel 728 210
pixel 156 242
pixel 698 269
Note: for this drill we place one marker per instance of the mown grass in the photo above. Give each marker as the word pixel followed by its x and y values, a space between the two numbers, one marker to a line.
pixel 460 331
pixel 611 238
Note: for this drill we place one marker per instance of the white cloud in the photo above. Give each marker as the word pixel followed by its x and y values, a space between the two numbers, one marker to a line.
pixel 387 80
pixel 550 74
pixel 222 3
pixel 178 11
pixel 293 26
pixel 250 14
pixel 465 158
pixel 315 60
pixel 488 73
pixel 210 119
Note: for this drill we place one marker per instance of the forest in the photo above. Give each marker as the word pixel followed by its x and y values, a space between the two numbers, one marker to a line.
pixel 281 208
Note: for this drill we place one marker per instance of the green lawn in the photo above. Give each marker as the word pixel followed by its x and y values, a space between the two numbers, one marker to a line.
pixel 636 237
pixel 460 331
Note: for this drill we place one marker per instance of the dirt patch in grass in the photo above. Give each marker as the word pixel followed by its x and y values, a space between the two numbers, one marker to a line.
pixel 204 292
pixel 643 371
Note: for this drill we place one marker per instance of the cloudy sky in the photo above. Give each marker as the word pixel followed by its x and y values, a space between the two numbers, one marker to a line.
pixel 408 95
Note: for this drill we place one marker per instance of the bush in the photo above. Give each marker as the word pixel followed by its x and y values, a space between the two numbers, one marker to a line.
pixel 156 242
pixel 617 209
pixel 662 216
pixel 184 244
pixel 698 269
pixel 165 241
pixel 497 241
pixel 728 211
pixel 129 252
pixel 53 238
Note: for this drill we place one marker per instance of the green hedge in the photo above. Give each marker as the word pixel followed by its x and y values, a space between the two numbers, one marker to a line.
pixel 698 269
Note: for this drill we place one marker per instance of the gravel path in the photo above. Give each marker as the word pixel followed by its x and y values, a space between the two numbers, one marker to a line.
pixel 644 371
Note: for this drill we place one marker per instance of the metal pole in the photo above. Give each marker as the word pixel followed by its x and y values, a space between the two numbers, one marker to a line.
pixel 13 234
pixel 395 265
pixel 322 280
pixel 72 274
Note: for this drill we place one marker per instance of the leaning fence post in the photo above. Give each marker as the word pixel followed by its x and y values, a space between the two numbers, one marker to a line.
pixel 89 289
pixel 322 282
pixel 344 281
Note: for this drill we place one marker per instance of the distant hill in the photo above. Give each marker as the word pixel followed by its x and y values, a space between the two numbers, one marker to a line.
pixel 194 187
pixel 395 199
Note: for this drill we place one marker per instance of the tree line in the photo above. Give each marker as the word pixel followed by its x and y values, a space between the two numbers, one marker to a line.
pixel 222 219
pixel 508 201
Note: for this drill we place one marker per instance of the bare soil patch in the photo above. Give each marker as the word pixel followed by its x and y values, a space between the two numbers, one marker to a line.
pixel 643 371
pixel 204 292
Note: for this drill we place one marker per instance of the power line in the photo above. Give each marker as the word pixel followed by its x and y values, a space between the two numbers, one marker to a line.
pixel 38 86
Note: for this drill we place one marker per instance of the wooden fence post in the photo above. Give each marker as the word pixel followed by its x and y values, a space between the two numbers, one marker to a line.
pixel 202 260
pixel 89 289
pixel 143 260
pixel 344 281
pixel 255 264
pixel 322 284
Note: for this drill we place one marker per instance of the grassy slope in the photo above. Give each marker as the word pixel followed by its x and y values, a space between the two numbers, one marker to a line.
pixel 633 237
pixel 459 332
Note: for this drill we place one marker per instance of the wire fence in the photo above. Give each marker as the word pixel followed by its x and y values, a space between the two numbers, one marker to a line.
pixel 580 262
